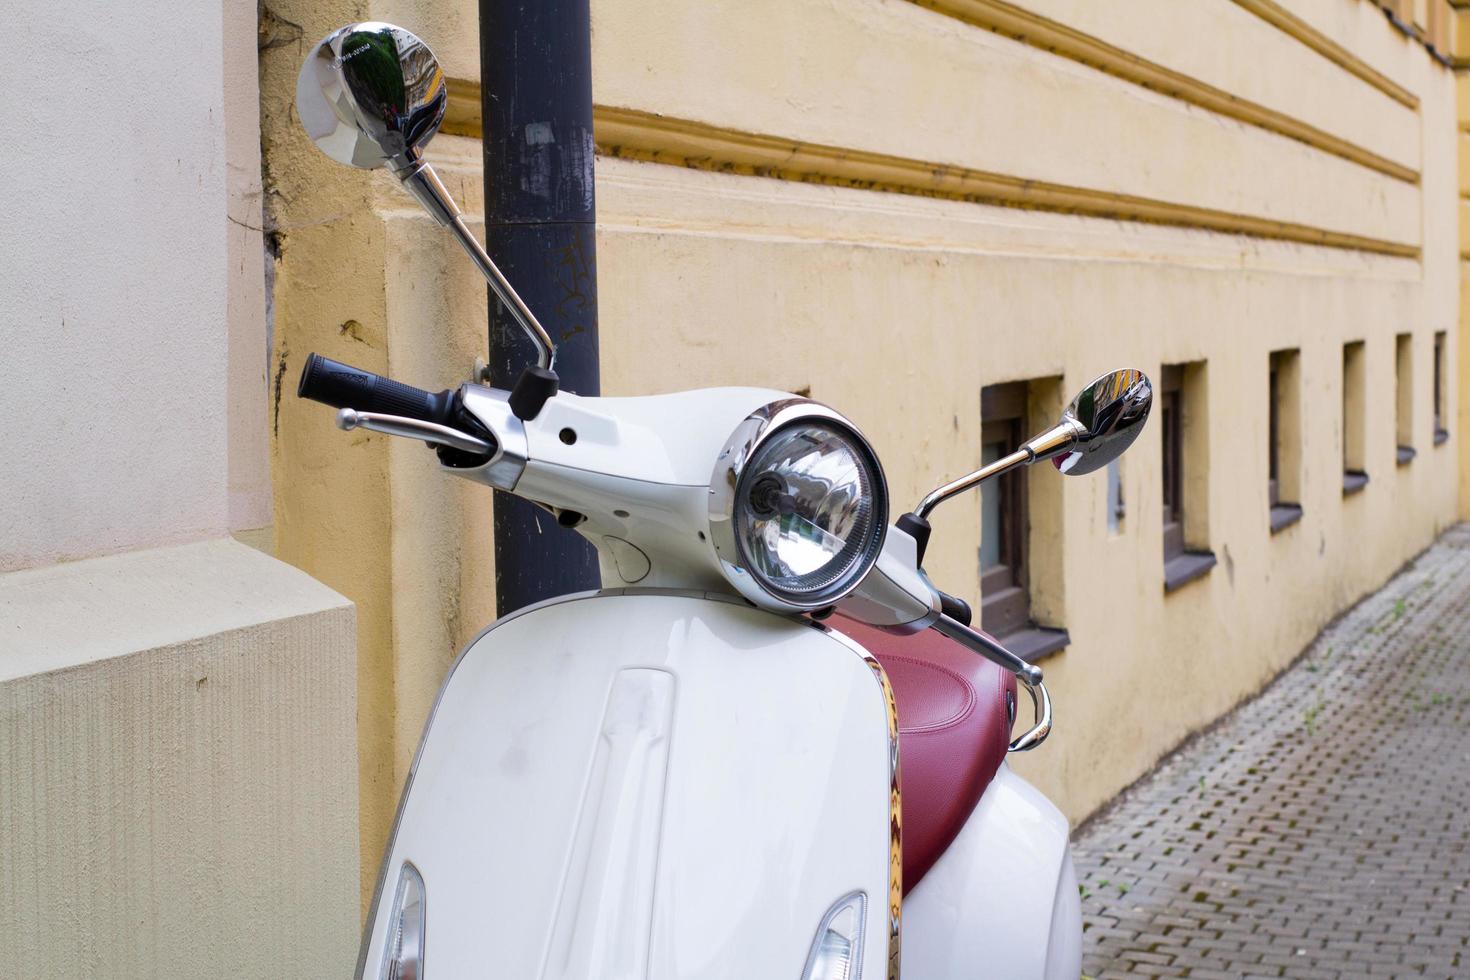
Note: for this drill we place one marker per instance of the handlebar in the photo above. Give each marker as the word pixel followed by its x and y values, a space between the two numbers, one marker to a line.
pixel 344 386
pixel 955 608
pixel 987 647
pixel 371 401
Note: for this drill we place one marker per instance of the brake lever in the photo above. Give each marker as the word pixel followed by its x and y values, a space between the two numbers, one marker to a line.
pixel 399 425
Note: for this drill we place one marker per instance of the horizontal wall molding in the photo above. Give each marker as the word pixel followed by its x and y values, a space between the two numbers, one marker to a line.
pixel 1288 23
pixel 1040 32
pixel 645 136
pixel 633 134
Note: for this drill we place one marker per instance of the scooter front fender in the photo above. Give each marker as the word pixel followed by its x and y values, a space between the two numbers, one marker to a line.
pixel 641 784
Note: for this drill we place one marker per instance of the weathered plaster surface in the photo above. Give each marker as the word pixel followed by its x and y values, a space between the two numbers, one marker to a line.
pixel 113 309
pixel 867 298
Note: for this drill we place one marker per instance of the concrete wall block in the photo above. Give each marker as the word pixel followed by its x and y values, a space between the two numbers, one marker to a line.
pixel 185 808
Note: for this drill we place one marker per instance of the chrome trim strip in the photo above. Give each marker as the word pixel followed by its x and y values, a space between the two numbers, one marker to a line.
pixel 895 802
pixel 758 427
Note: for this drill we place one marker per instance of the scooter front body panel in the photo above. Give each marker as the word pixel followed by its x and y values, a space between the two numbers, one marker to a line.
pixel 642 784
pixel 1002 901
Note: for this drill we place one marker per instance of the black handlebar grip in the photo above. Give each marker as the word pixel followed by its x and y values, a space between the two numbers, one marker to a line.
pixel 344 386
pixel 955 608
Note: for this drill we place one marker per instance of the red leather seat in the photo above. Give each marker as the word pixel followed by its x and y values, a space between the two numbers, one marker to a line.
pixel 953 728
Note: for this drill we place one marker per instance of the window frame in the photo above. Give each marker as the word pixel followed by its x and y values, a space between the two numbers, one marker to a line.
pixel 1354 422
pixel 1403 375
pixel 1182 564
pixel 1273 435
pixel 1005 601
pixel 1171 399
pixel 1282 514
pixel 1005 587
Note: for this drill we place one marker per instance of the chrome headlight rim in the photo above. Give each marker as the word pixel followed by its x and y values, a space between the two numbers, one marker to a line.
pixel 757 429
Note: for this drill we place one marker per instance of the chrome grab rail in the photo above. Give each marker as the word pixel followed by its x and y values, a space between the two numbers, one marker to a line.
pixel 1041 706
pixel 1029 675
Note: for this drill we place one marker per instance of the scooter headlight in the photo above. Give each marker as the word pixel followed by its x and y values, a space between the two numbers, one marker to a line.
pixel 799 507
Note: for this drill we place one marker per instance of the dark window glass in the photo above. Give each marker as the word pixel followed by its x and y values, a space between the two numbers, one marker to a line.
pixel 1354 417
pixel 1179 386
pixel 1438 388
pixel 1441 433
pixel 1404 382
pixel 1284 452
pixel 1171 415
pixel 1273 467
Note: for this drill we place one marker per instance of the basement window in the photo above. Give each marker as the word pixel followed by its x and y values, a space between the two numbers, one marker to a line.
pixel 1284 435
pixel 1403 361
pixel 1354 417
pixel 1007 570
pixel 1441 434
pixel 1181 398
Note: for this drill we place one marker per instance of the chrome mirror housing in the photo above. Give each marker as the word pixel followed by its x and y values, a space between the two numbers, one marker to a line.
pixel 371 95
pixel 1095 429
pixel 1104 419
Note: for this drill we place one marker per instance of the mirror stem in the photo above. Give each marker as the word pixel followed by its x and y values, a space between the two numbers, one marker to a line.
pixel 1003 465
pixel 1053 442
pixel 424 184
pixel 1059 439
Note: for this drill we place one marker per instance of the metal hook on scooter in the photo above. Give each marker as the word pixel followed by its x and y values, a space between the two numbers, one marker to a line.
pixel 1029 675
pixel 1041 705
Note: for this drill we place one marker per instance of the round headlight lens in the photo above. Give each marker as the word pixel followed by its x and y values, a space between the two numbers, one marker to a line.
pixel 809 513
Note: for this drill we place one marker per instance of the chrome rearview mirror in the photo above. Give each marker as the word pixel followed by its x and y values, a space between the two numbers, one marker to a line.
pixel 1095 429
pixel 1104 418
pixel 372 95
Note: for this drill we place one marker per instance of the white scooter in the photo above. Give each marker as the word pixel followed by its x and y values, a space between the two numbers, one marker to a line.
pixel 694 771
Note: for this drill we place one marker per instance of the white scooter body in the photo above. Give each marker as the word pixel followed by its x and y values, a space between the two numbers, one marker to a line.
pixel 681 776
pixel 649 784
pixel 1002 902
pixel 661 781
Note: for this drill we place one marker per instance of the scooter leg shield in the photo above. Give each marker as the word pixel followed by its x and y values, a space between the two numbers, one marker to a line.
pixel 648 785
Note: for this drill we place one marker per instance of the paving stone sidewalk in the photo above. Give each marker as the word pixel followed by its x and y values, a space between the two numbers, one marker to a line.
pixel 1321 831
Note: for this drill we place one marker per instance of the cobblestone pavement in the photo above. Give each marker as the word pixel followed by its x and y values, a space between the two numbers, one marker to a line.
pixel 1321 831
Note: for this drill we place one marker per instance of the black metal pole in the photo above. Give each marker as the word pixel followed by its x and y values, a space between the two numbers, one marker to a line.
pixel 536 94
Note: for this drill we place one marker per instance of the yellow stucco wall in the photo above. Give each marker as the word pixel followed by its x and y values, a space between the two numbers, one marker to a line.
pixel 1462 126
pixel 941 207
